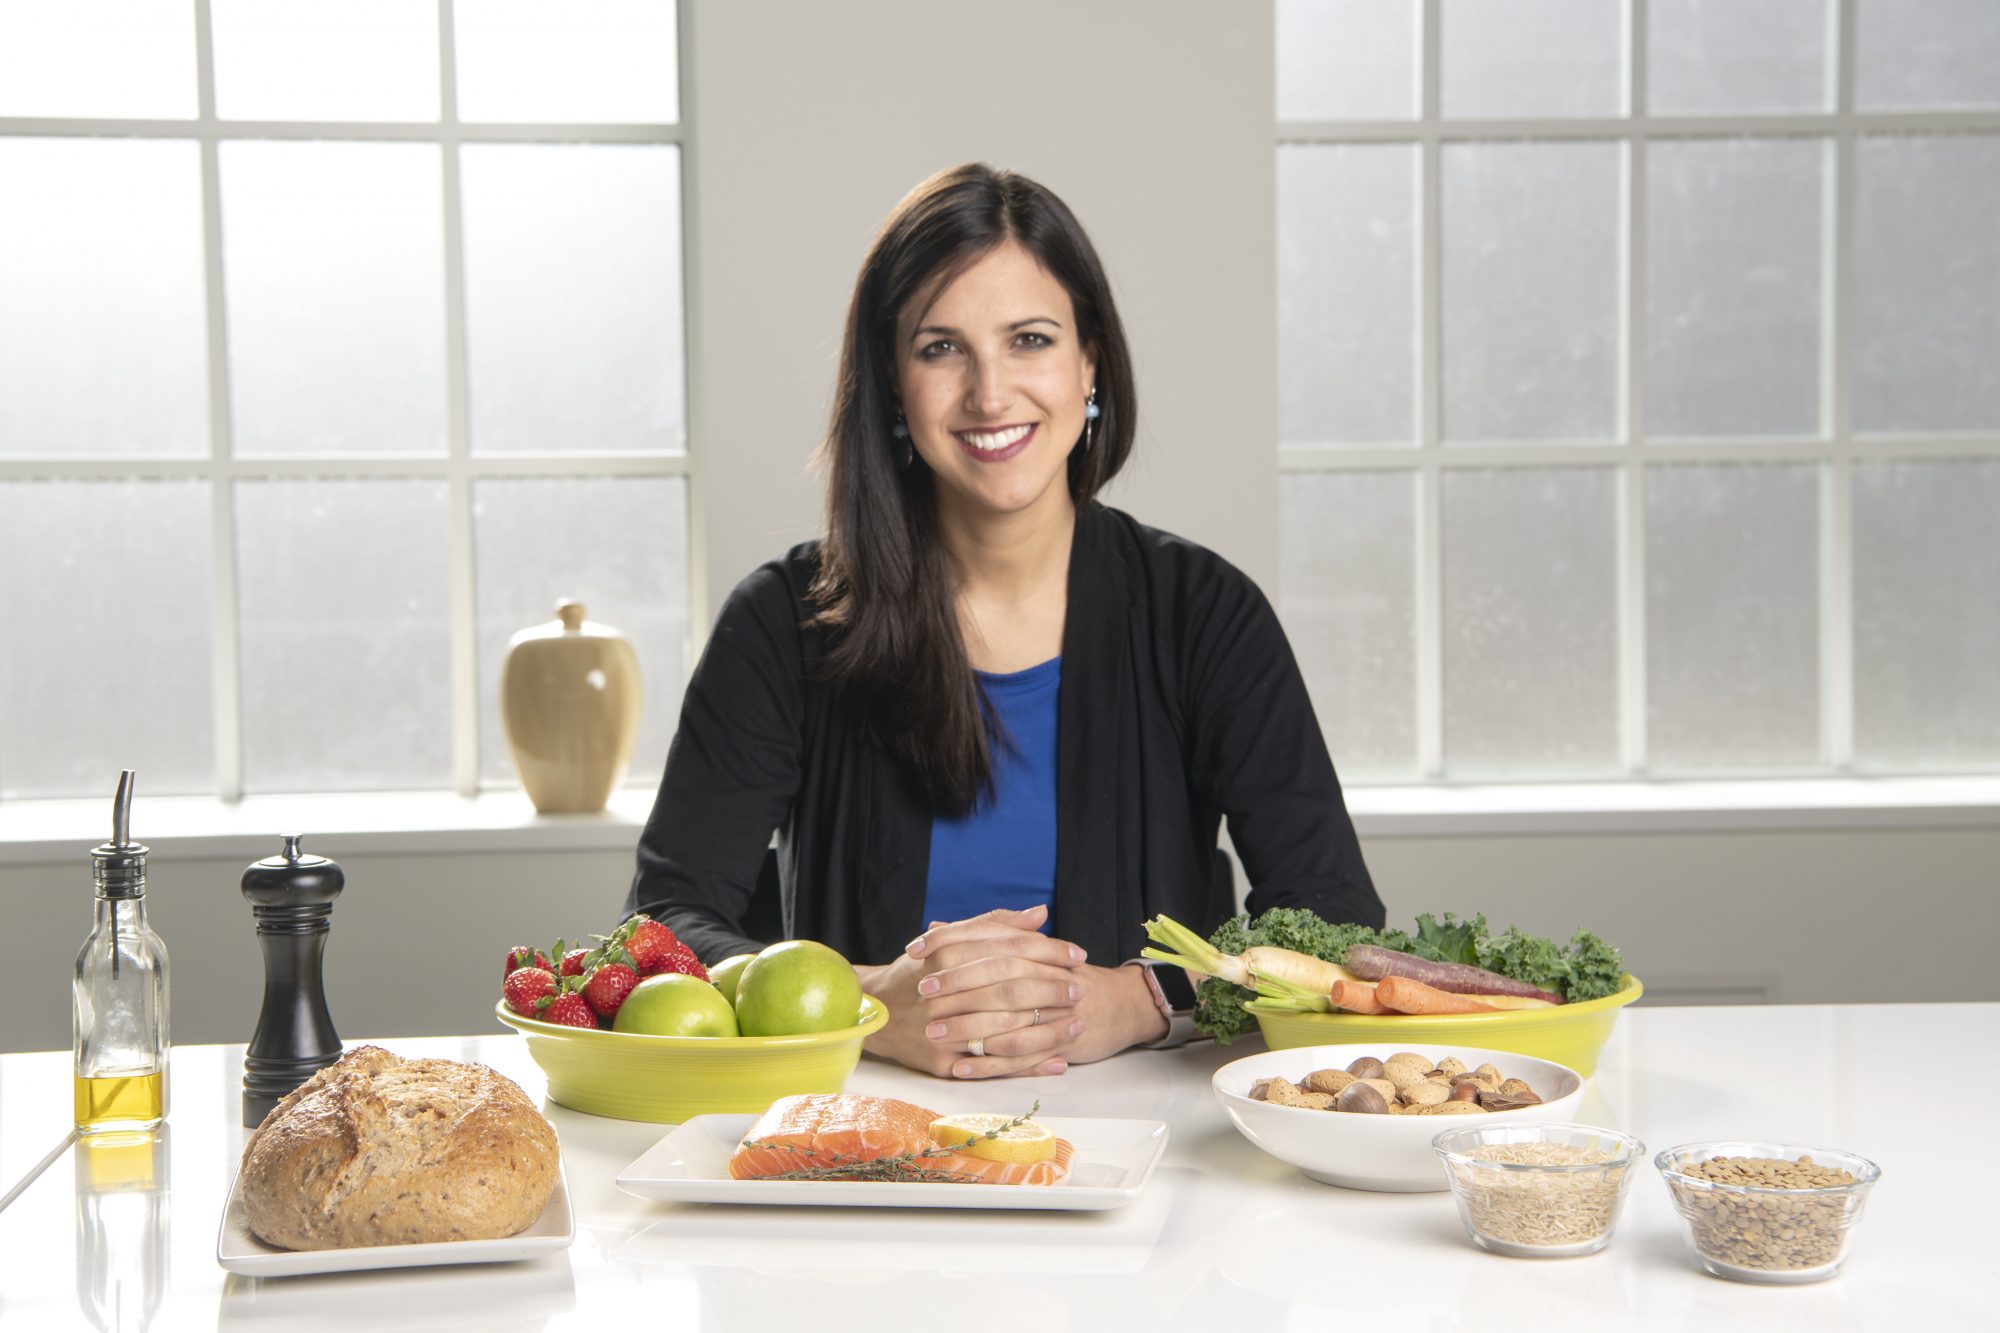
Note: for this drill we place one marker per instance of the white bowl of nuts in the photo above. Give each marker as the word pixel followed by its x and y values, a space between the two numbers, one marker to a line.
pixel 1364 1117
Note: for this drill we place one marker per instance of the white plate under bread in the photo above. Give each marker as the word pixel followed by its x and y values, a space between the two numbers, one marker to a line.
pixel 240 1252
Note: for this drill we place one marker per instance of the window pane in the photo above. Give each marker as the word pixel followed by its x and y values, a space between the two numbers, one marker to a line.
pixel 1347 346
pixel 616 544
pixel 335 272
pixel 97 58
pixel 103 326
pixel 1530 621
pixel 1346 60
pixel 612 61
pixel 573 296
pixel 312 60
pixel 1733 268
pixel 107 648
pixel 1532 58
pixel 1348 594
pixel 1927 284
pixel 346 643
pixel 1720 56
pixel 1732 616
pixel 1530 291
pixel 1914 54
pixel 1927 614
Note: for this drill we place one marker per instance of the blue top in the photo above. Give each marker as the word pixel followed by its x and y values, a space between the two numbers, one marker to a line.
pixel 1003 854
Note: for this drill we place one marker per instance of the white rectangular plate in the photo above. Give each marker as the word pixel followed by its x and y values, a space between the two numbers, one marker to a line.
pixel 1114 1160
pixel 240 1252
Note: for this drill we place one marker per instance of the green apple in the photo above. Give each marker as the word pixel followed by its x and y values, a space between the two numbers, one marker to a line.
pixel 672 1005
pixel 797 986
pixel 724 974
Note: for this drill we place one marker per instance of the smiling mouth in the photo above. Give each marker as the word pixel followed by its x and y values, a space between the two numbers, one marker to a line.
pixel 988 441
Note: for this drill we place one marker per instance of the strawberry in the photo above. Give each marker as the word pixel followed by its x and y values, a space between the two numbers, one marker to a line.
pixel 521 956
pixel 607 987
pixel 682 960
pixel 572 962
pixel 526 986
pixel 650 944
pixel 569 1009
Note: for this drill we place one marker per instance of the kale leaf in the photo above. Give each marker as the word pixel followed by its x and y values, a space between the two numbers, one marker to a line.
pixel 1595 968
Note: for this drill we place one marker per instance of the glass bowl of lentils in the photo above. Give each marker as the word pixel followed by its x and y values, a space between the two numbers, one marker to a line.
pixel 1538 1191
pixel 1767 1212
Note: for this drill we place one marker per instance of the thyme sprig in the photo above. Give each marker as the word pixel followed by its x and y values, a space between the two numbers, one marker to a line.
pixel 907 1166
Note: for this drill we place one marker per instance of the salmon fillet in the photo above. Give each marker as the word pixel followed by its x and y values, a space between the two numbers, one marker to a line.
pixel 821 1130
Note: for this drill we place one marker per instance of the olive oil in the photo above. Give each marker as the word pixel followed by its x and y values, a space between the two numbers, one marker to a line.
pixel 120 1103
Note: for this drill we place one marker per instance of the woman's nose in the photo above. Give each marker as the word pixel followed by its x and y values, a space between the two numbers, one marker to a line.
pixel 987 389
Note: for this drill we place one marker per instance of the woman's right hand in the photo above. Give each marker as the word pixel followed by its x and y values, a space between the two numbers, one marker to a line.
pixel 980 979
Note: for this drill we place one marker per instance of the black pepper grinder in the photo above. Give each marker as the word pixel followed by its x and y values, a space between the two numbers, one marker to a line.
pixel 293 901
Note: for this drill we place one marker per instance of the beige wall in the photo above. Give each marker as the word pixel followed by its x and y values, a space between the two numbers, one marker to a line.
pixel 1152 118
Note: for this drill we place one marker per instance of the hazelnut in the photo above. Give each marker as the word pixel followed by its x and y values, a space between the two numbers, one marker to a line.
pixel 1361 1097
pixel 1366 1067
pixel 1260 1090
pixel 1383 1086
pixel 1465 1090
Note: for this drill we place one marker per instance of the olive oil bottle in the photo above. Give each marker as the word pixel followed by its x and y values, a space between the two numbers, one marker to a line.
pixel 119 994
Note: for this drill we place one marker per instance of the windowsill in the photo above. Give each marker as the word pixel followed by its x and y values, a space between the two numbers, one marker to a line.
pixel 414 823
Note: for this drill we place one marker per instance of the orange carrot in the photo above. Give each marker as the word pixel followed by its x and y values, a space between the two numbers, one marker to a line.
pixel 1414 997
pixel 1357 998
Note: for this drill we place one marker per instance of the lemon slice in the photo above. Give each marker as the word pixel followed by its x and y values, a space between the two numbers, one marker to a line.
pixel 1025 1142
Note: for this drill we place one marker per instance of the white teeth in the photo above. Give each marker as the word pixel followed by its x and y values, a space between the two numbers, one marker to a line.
pixel 987 441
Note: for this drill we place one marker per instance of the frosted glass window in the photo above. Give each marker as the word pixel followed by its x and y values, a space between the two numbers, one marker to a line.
pixel 1918 54
pixel 316 60
pixel 103 327
pixel 1710 57
pixel 1927 613
pixel 1732 616
pixel 106 664
pixel 1532 58
pixel 97 58
pixel 1733 305
pixel 1347 244
pixel 1530 291
pixel 1346 60
pixel 334 265
pixel 345 622
pixel 1927 284
pixel 573 298
pixel 619 545
pixel 1530 621
pixel 1348 595
pixel 610 61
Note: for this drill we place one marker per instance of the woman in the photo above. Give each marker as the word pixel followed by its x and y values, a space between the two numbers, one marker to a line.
pixel 995 724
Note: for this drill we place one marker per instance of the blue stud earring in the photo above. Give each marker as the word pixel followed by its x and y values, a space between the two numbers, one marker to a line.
pixel 1091 412
pixel 900 428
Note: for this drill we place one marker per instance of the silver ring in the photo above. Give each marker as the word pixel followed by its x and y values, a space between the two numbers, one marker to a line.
pixel 975 1047
pixel 1037 1021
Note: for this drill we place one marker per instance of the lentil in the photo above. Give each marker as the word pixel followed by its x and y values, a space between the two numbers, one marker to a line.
pixel 1748 1222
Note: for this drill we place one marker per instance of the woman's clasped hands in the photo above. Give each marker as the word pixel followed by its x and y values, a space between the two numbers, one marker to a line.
pixel 992 996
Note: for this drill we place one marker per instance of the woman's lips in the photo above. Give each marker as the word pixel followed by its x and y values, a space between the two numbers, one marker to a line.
pixel 1000 443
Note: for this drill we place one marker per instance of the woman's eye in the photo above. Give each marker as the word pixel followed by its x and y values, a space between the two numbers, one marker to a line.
pixel 932 351
pixel 1036 341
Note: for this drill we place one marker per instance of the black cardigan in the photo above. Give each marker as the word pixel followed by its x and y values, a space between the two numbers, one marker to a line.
pixel 1181 704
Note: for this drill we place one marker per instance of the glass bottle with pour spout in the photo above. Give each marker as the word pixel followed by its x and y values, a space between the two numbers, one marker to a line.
pixel 119 994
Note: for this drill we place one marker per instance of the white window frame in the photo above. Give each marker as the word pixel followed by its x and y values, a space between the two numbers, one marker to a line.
pixel 1837 450
pixel 459 467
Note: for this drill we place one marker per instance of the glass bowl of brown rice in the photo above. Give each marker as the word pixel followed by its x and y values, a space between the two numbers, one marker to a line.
pixel 1755 1211
pixel 1538 1191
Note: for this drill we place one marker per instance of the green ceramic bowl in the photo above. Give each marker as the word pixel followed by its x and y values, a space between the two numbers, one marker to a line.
pixel 1569 1034
pixel 669 1079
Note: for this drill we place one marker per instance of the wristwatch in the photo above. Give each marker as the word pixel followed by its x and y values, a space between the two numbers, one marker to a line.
pixel 1174 996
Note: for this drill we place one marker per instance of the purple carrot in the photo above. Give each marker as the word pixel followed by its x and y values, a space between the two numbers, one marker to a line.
pixel 1371 962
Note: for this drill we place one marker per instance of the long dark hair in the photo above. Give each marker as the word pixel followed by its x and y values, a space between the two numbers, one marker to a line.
pixel 884 587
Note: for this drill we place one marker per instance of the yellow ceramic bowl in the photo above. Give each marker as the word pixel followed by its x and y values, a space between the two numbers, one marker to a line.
pixel 670 1079
pixel 1569 1034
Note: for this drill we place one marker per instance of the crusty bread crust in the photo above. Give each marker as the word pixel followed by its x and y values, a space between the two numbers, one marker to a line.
pixel 378 1150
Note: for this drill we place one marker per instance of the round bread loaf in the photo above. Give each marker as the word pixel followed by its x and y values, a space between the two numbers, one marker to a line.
pixel 378 1150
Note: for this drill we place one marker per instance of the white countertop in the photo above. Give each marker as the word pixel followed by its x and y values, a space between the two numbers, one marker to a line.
pixel 1224 1237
